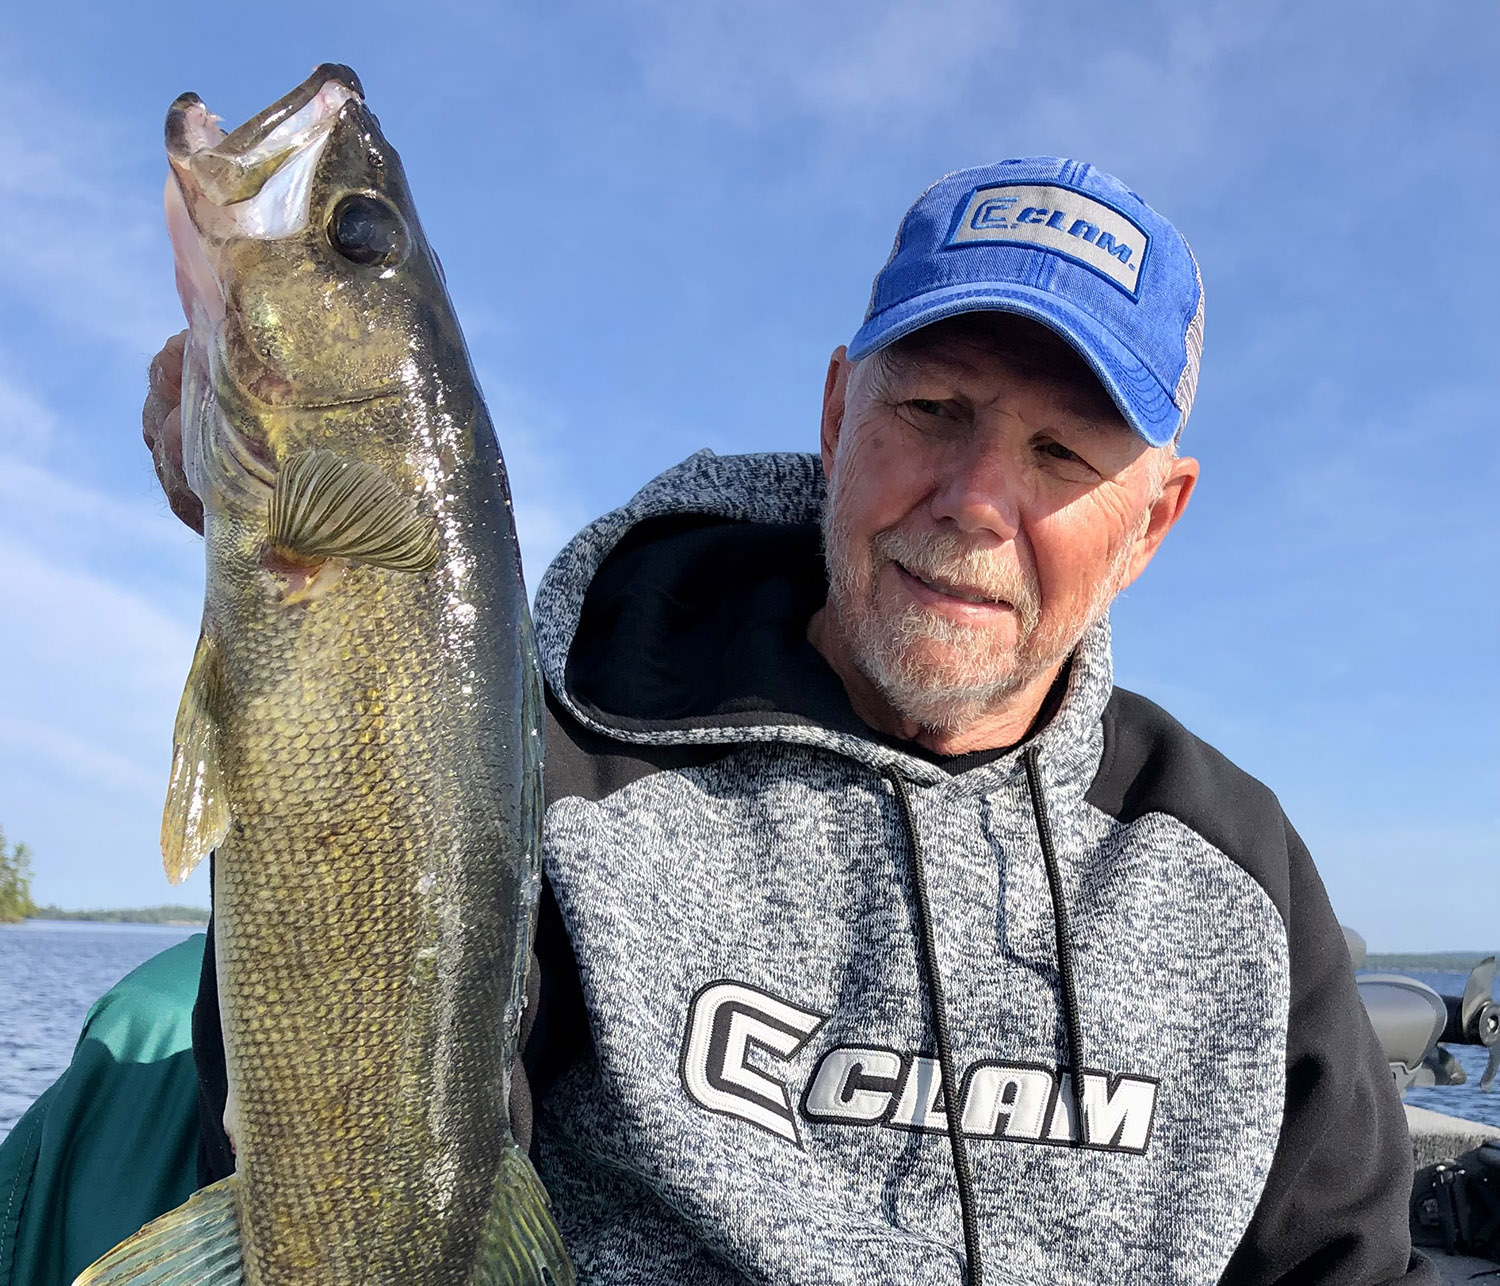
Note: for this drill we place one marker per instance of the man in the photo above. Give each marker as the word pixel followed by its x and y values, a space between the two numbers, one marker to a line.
pixel 885 940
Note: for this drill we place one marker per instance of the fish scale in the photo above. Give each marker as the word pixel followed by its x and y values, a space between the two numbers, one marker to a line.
pixel 359 742
pixel 373 802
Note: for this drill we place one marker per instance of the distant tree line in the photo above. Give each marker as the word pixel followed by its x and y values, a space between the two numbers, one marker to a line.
pixel 16 902
pixel 15 882
pixel 1433 961
pixel 141 915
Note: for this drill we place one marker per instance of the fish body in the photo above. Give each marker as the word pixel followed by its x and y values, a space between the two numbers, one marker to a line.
pixel 359 743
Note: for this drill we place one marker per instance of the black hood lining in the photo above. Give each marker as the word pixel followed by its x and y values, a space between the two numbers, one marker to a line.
pixel 697 622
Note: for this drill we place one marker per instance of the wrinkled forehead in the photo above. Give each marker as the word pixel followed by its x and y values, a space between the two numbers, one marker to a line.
pixel 984 347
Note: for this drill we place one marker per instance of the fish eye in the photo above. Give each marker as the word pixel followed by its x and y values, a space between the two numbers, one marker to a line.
pixel 367 230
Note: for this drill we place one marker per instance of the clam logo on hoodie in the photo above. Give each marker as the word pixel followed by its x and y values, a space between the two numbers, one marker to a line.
pixel 867 1085
pixel 724 1021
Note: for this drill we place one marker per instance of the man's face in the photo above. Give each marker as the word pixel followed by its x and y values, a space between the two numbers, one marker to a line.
pixel 983 511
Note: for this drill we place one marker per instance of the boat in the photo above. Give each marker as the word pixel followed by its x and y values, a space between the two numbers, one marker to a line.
pixel 1455 1207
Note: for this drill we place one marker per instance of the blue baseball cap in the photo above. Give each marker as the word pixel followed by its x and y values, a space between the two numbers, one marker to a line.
pixel 1067 246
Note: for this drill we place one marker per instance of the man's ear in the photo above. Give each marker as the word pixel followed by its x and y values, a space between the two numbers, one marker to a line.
pixel 1182 477
pixel 835 386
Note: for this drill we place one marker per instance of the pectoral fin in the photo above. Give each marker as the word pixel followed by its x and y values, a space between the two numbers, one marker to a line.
pixel 196 816
pixel 198 1244
pixel 520 1244
pixel 328 506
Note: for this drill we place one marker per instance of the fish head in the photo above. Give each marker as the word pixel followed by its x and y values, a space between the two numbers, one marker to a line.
pixel 303 271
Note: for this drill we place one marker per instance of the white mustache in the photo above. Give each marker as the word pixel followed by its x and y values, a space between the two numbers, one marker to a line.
pixel 946 559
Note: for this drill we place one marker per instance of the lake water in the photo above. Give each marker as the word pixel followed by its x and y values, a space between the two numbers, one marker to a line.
pixel 50 973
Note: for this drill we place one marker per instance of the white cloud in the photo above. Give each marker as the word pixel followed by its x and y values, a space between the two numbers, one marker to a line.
pixel 51 512
pixel 90 675
pixel 1135 87
pixel 83 238
pixel 79 759
pixel 26 424
pixel 82 646
pixel 741 60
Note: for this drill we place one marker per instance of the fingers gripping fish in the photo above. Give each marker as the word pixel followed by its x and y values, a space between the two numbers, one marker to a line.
pixel 359 742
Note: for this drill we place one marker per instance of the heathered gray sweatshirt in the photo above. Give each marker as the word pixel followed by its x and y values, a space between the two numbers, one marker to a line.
pixel 735 1057
pixel 741 1080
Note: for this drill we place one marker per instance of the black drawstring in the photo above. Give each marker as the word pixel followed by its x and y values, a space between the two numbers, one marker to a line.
pixel 960 1145
pixel 1064 937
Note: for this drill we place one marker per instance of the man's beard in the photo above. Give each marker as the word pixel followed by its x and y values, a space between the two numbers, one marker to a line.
pixel 983 671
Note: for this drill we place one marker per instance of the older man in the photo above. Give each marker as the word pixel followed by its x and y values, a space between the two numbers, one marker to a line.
pixel 910 949
pixel 886 941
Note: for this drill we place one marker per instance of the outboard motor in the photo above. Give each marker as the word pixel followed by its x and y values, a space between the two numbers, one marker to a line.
pixel 1413 1022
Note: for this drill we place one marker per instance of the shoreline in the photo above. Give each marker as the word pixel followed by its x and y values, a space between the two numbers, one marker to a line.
pixel 1424 961
pixel 173 916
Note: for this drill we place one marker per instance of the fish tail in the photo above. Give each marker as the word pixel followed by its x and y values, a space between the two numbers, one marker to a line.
pixel 520 1244
pixel 198 1244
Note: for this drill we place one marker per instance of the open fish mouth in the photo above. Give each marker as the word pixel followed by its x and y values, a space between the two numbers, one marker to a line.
pixel 229 169
pixel 252 182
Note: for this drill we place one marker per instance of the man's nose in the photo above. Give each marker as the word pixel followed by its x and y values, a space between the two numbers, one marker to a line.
pixel 979 491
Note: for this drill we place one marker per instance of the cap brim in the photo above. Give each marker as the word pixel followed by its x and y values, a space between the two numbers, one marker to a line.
pixel 1147 406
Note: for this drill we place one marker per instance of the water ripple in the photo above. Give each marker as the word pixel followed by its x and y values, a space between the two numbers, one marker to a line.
pixel 50 973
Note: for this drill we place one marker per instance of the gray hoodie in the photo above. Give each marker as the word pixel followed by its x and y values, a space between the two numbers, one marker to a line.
pixel 737 1065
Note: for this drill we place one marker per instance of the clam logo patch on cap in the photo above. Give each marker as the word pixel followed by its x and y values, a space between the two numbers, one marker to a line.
pixel 1062 220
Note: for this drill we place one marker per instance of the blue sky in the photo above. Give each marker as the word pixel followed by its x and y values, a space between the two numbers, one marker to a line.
pixel 659 218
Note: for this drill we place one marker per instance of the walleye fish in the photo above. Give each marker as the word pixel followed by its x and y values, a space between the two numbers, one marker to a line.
pixel 359 742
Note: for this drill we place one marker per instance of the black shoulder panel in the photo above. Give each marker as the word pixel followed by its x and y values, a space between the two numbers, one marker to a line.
pixel 1333 1208
pixel 588 765
pixel 1152 764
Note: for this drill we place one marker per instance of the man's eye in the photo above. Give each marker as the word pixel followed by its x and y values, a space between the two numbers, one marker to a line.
pixel 1059 452
pixel 925 406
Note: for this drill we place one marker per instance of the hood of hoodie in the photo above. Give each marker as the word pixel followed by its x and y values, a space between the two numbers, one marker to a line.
pixel 694 573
